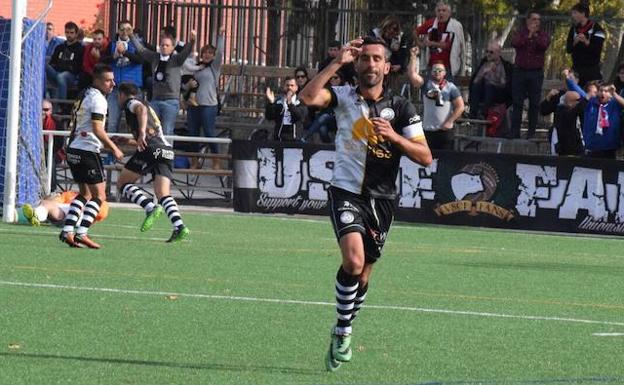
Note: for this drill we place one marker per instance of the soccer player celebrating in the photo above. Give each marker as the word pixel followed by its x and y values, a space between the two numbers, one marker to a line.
pixel 83 156
pixel 154 155
pixel 374 129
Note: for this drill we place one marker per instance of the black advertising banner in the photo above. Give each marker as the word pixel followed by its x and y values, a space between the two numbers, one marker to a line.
pixel 493 190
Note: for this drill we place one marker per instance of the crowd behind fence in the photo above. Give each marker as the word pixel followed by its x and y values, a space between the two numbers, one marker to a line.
pixel 289 37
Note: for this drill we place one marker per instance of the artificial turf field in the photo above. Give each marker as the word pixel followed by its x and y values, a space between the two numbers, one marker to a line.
pixel 249 300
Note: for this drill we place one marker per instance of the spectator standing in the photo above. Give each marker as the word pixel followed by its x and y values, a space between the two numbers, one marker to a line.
pixel 491 82
pixel 94 52
pixel 287 111
pixel 531 43
pixel 601 120
pixel 127 68
pixel 442 106
pixel 166 67
pixel 585 41
pixel 52 41
pixel 66 62
pixel 390 32
pixel 443 38
pixel 202 118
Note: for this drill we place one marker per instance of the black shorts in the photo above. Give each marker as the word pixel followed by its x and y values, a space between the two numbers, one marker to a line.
pixel 370 217
pixel 85 166
pixel 155 159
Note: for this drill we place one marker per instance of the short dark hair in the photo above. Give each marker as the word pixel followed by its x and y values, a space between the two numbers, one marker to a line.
pixel 371 40
pixel 98 32
pixel 169 31
pixel 301 69
pixel 100 69
pixel 581 7
pixel 124 21
pixel 532 11
pixel 334 44
pixel 71 25
pixel 129 89
pixel 288 78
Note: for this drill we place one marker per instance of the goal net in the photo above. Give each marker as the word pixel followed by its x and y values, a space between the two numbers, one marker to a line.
pixel 31 174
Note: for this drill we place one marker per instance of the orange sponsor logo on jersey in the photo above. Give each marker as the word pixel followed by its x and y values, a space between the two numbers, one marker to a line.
pixel 363 129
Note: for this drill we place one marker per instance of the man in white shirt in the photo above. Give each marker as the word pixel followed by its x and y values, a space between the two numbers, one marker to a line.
pixel 83 156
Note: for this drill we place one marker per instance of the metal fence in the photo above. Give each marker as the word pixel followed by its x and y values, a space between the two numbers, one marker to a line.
pixel 260 34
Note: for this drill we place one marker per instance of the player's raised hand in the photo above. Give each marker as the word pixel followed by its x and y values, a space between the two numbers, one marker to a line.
pixel 193 35
pixel 350 51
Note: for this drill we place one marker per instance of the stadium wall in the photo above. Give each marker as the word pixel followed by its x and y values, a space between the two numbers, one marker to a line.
pixel 490 190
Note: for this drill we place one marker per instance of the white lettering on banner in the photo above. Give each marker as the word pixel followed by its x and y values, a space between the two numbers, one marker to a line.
pixel 415 183
pixel 281 183
pixel 536 183
pixel 280 179
pixel 321 171
pixel 585 191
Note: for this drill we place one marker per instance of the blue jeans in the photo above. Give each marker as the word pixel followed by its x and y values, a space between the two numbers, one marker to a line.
pixel 322 124
pixel 167 111
pixel 201 122
pixel 62 80
pixel 486 94
pixel 526 83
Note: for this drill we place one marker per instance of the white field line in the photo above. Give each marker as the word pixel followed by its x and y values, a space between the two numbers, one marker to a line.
pixel 608 334
pixel 301 302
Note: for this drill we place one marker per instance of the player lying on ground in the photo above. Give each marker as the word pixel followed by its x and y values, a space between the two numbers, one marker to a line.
pixel 54 208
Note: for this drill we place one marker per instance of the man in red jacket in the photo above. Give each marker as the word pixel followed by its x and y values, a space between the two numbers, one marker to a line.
pixel 93 54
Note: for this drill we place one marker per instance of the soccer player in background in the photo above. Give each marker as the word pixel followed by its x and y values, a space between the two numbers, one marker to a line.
pixel 375 128
pixel 153 155
pixel 86 140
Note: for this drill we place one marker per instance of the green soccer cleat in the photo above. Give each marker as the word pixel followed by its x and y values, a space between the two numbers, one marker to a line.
pixel 29 214
pixel 331 364
pixel 179 234
pixel 150 218
pixel 341 346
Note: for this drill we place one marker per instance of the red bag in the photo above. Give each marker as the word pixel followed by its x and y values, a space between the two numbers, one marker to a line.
pixel 495 116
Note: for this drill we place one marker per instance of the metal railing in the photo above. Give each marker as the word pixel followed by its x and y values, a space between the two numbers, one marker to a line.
pixel 50 134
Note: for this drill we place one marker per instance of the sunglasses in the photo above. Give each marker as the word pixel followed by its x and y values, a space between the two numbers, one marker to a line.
pixel 301 76
pixel 438 70
pixel 489 52
pixel 46 109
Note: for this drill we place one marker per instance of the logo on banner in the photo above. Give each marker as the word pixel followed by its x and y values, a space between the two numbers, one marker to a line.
pixel 473 187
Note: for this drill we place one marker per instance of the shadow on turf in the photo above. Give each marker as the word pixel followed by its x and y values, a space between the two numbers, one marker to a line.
pixel 179 365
